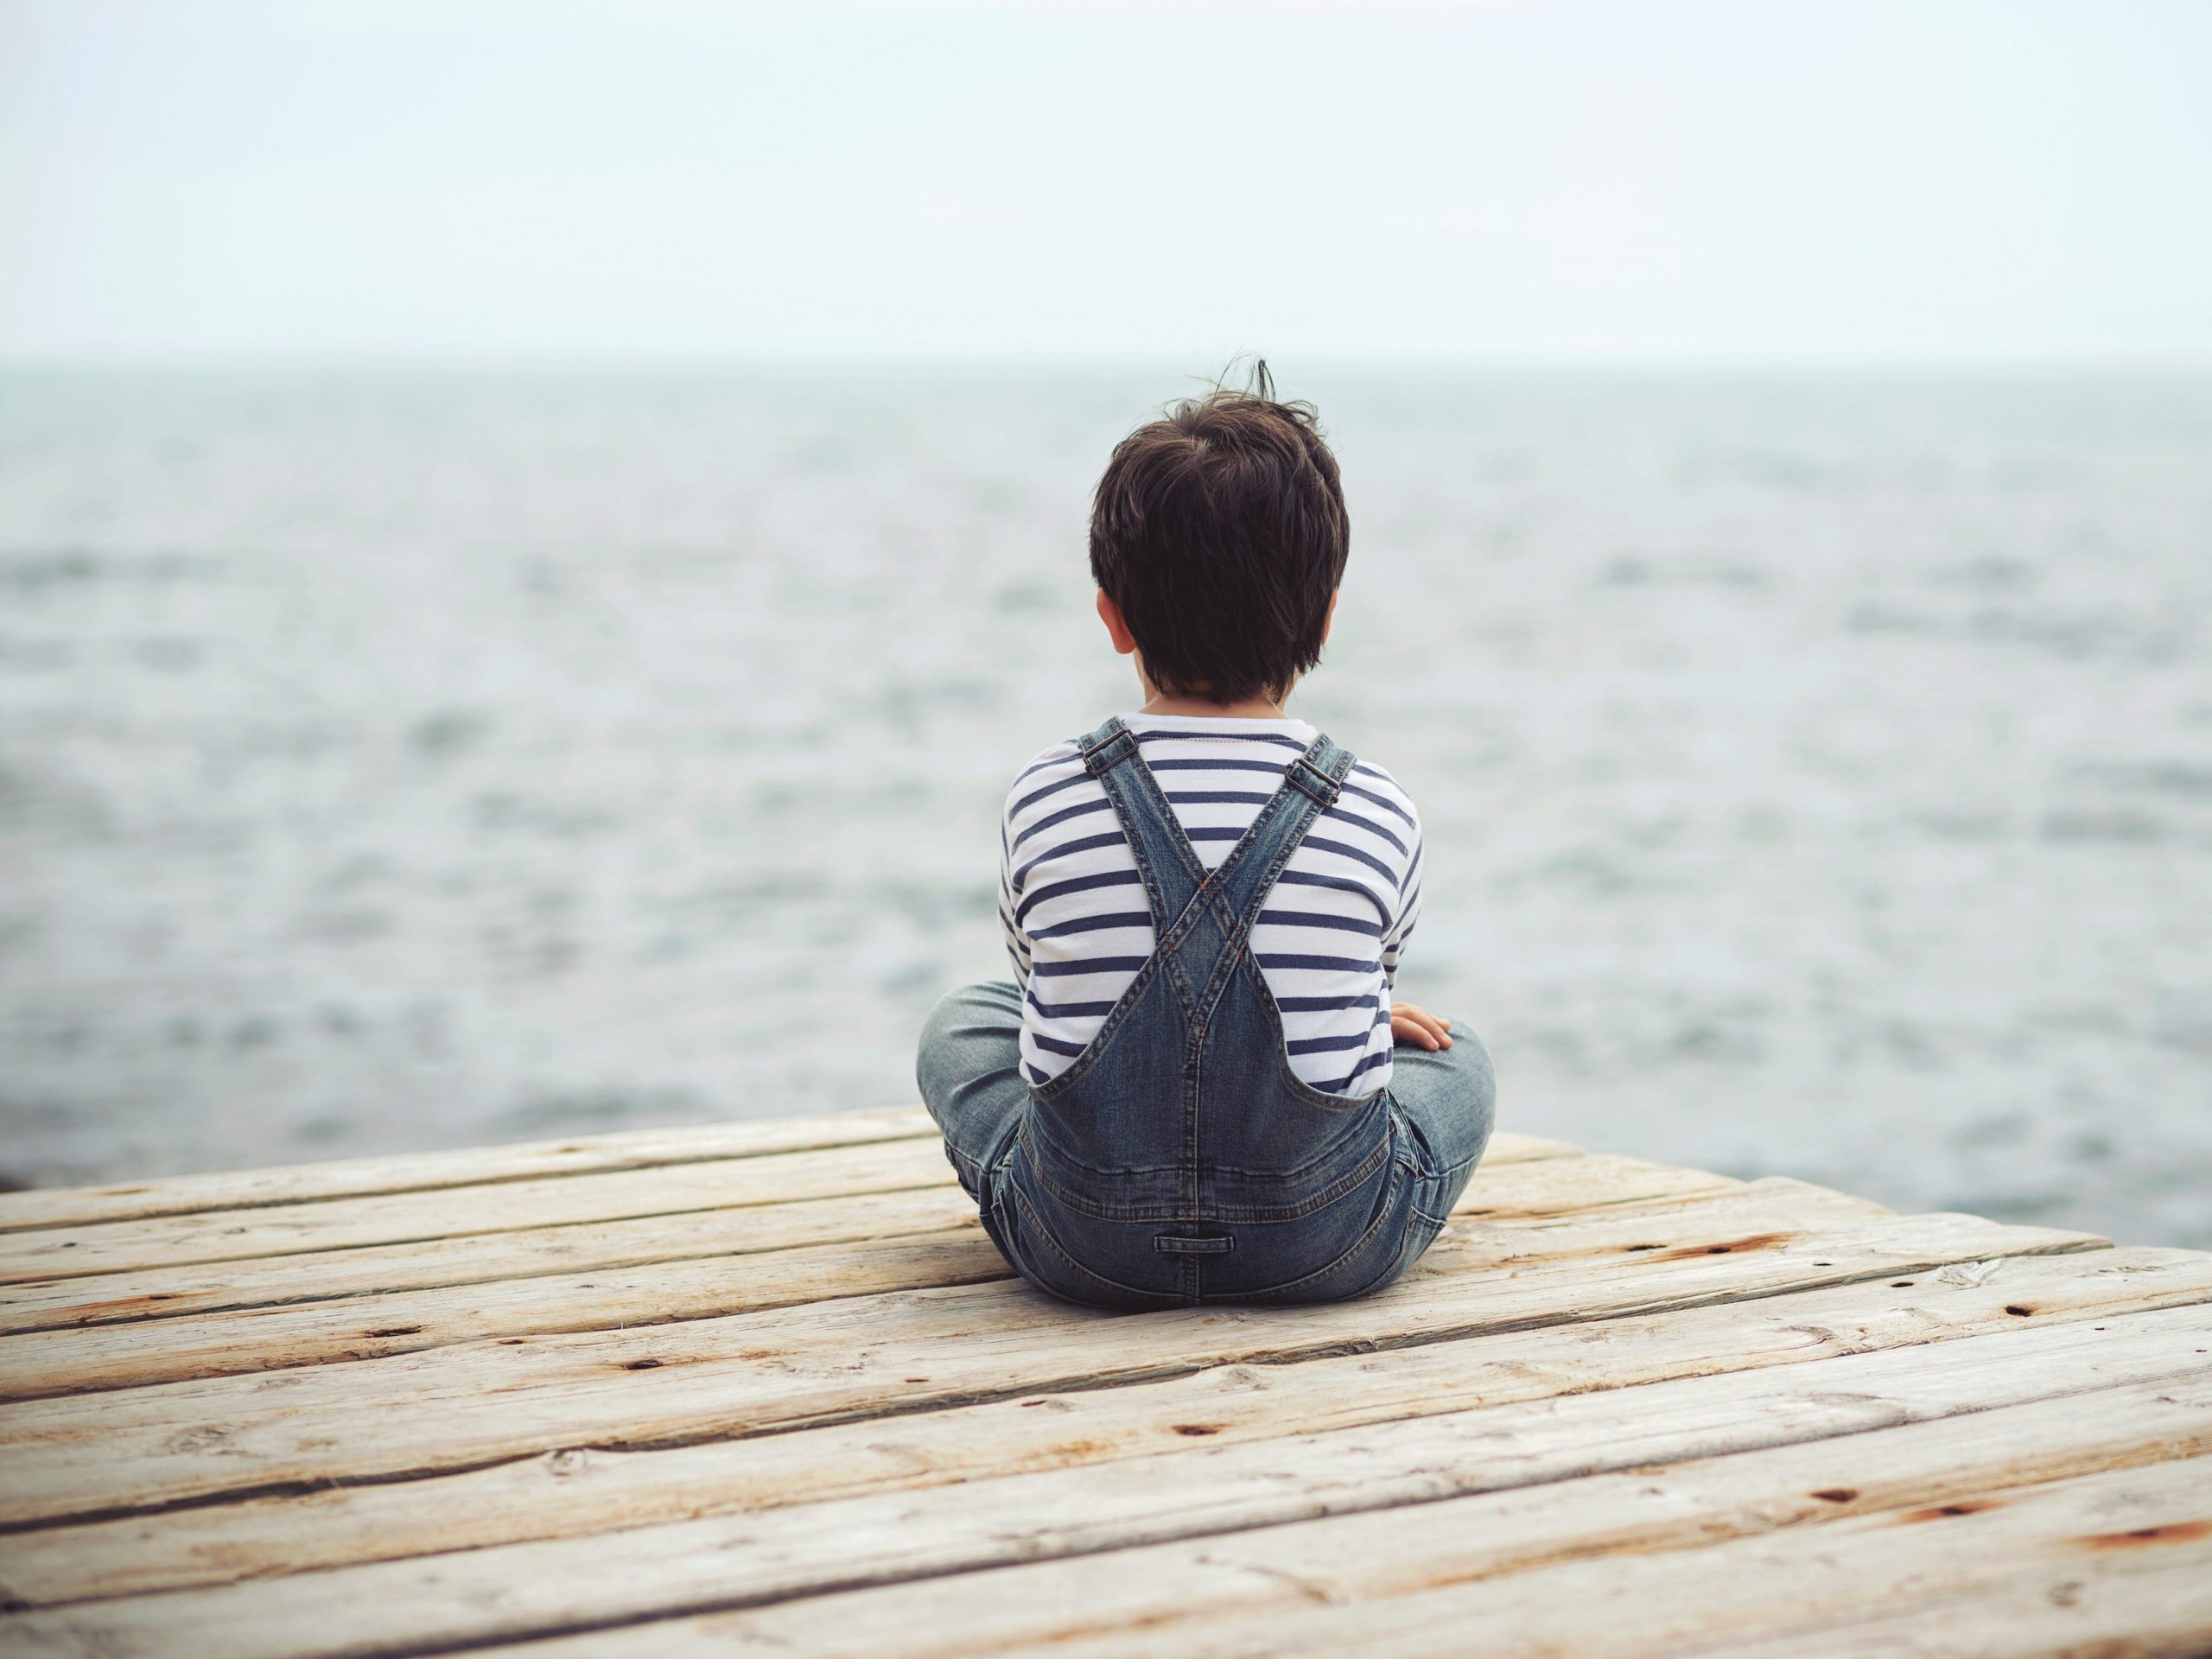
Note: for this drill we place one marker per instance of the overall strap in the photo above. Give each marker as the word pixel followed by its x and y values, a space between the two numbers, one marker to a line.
pixel 1171 874
pixel 1311 784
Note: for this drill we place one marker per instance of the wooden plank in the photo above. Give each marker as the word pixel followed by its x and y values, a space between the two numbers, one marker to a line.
pixel 1516 1189
pixel 2132 1391
pixel 479 1402
pixel 575 1491
pixel 2036 1544
pixel 560 1200
pixel 459 1212
pixel 1754 1218
pixel 48 1364
pixel 1708 1550
pixel 178 1195
pixel 1598 1373
pixel 1509 1190
pixel 2161 1611
pixel 125 1355
pixel 375 1269
pixel 285 1184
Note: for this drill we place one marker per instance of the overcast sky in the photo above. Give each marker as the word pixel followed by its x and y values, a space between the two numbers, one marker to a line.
pixel 1694 180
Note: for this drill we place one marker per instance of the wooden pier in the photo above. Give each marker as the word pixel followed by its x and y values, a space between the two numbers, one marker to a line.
pixel 768 1386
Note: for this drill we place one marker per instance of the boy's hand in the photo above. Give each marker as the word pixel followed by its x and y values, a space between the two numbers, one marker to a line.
pixel 1411 1025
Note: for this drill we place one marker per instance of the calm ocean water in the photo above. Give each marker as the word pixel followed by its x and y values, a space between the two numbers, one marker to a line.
pixel 1818 772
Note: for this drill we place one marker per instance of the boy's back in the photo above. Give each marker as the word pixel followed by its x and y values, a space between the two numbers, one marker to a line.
pixel 1200 1091
pixel 1077 927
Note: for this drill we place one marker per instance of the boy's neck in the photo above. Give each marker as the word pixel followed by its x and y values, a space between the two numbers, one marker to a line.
pixel 1167 703
pixel 1250 708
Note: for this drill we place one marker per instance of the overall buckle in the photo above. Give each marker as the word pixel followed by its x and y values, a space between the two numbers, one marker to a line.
pixel 1099 758
pixel 1311 782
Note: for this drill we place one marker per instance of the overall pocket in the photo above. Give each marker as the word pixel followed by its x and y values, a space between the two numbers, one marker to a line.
pixel 1370 1260
pixel 1028 1242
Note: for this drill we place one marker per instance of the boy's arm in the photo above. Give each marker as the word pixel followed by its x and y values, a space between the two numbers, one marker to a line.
pixel 1408 1023
pixel 1401 926
pixel 1017 947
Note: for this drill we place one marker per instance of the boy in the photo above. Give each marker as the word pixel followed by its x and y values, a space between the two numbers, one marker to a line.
pixel 1198 1089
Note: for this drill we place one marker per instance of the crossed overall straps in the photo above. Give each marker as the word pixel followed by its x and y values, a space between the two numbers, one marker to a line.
pixel 1201 919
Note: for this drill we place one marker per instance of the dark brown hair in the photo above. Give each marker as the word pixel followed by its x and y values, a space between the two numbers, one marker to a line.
pixel 1220 531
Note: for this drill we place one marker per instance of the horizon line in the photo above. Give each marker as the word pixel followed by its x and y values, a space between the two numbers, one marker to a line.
pixel 844 364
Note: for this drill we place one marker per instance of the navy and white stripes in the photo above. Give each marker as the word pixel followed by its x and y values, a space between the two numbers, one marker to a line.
pixel 1328 934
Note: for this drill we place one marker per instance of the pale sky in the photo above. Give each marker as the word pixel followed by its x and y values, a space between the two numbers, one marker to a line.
pixel 1693 180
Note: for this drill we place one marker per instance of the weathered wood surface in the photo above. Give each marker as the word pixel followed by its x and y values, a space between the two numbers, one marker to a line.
pixel 429 1172
pixel 506 1206
pixel 689 1391
pixel 270 1327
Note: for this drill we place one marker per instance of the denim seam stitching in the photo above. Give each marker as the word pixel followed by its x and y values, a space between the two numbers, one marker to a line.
pixel 1043 1235
pixel 1327 1158
pixel 1321 1275
pixel 1298 1086
pixel 1084 1204
pixel 1052 1088
pixel 1340 761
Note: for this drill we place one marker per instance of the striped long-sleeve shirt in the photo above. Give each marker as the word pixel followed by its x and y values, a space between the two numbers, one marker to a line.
pixel 1328 934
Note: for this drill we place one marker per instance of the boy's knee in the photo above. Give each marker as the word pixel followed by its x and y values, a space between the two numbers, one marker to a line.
pixel 1467 1051
pixel 939 1024
pixel 1469 1062
pixel 945 1055
pixel 933 1053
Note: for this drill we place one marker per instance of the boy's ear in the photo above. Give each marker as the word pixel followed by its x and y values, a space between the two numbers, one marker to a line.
pixel 1116 629
pixel 1330 620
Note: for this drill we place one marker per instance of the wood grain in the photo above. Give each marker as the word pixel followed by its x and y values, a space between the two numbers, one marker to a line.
pixel 578 1490
pixel 769 1385
pixel 1701 1550
pixel 2135 1390
pixel 460 1212
pixel 179 1195
pixel 1512 1190
pixel 869 1356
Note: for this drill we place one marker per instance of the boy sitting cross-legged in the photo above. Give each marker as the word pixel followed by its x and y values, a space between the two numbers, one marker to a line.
pixel 1198 1089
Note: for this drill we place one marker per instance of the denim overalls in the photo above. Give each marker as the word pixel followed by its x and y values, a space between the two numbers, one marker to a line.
pixel 1177 1160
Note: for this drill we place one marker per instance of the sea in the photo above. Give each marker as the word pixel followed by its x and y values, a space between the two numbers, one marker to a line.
pixel 1817 767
